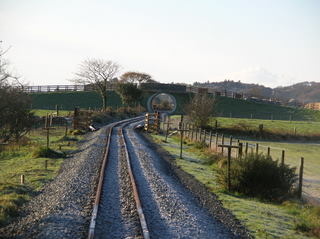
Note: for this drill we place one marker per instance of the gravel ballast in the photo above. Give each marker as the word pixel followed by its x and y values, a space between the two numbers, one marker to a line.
pixel 174 203
pixel 117 216
pixel 206 198
pixel 63 208
pixel 171 210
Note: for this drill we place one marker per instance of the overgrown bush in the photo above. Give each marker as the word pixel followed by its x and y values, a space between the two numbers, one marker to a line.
pixel 129 92
pixel 16 118
pixel 200 109
pixel 44 152
pixel 259 176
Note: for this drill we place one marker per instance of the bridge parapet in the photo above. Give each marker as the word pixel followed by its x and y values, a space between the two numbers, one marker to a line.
pixel 151 87
pixel 158 87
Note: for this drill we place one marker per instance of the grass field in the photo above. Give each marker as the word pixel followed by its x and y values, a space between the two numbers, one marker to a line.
pixel 293 154
pixel 42 113
pixel 225 107
pixel 274 126
pixel 264 220
pixel 18 159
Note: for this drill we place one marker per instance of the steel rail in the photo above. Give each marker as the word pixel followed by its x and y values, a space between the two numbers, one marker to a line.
pixel 99 188
pixel 143 223
pixel 101 175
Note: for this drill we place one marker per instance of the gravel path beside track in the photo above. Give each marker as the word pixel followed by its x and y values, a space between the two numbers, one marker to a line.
pixel 63 209
pixel 171 210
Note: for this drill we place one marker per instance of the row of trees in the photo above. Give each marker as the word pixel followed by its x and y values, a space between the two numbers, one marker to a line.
pixel 16 117
pixel 100 74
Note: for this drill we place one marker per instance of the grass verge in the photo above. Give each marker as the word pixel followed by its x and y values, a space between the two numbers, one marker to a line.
pixel 28 158
pixel 263 219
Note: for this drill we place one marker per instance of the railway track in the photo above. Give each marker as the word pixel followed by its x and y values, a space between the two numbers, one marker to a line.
pixel 127 183
pixel 139 197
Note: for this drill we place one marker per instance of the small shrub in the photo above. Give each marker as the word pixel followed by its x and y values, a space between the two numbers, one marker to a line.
pixel 44 152
pixel 302 227
pixel 259 176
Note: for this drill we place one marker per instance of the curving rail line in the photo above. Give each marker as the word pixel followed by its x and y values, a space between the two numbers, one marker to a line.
pixel 143 224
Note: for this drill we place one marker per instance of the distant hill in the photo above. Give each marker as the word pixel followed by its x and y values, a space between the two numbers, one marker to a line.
pixel 303 92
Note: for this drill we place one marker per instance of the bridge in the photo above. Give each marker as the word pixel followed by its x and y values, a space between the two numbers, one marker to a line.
pixel 83 96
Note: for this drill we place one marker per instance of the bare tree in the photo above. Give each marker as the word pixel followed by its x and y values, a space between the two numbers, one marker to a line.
pixel 136 77
pixel 200 109
pixel 5 75
pixel 16 118
pixel 99 74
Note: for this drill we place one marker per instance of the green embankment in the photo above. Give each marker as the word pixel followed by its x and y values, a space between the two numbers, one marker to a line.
pixel 225 107
pixel 247 109
pixel 70 100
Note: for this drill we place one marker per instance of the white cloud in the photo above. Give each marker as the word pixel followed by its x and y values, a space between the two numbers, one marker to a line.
pixel 260 75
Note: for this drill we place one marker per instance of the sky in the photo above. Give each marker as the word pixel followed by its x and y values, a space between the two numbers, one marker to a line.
pixel 269 42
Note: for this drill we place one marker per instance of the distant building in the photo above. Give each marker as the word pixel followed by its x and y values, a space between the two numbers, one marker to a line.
pixel 313 106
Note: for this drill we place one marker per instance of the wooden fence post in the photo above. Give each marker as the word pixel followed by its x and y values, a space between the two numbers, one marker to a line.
pixel 181 134
pixel 51 118
pixel 204 135
pixel 282 158
pixel 222 142
pixel 48 137
pixel 217 140
pixel 230 143
pixel 200 134
pixel 229 163
pixel 167 131
pixel 210 140
pixel 192 130
pixel 21 179
pixel 246 149
pixel 300 178
pixel 46 121
pixel 57 110
pixel 45 164
pixel 196 130
pixel 240 149
pixel 66 130
pixel 229 169
pixel 268 151
pixel 257 148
